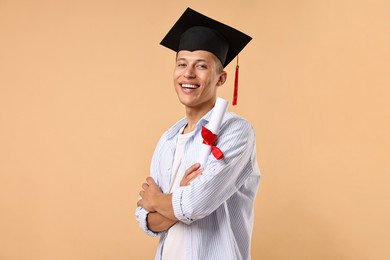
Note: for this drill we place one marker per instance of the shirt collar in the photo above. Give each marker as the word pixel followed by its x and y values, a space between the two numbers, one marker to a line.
pixel 176 127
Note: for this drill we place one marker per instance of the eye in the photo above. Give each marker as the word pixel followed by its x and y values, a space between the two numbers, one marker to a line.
pixel 201 66
pixel 181 65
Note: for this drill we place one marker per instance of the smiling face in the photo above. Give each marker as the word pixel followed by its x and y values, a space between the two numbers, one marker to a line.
pixel 197 75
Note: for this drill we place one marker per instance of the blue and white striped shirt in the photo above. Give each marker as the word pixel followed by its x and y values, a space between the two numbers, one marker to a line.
pixel 218 205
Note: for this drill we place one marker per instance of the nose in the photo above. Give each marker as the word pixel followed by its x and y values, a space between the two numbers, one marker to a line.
pixel 189 72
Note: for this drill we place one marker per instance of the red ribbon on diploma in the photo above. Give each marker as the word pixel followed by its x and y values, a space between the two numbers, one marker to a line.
pixel 209 138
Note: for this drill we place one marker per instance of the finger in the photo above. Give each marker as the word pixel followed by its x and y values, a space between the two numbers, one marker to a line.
pixel 150 181
pixel 145 186
pixel 190 177
pixel 139 203
pixel 192 168
pixel 141 193
pixel 194 174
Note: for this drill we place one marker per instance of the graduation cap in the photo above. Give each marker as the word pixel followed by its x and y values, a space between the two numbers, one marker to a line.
pixel 195 31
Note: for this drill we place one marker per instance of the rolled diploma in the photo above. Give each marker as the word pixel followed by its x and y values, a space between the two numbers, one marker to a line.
pixel 213 125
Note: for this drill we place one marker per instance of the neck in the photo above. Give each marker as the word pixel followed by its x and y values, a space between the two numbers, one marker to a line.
pixel 194 115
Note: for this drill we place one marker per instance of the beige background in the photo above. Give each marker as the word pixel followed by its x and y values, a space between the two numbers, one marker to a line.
pixel 86 91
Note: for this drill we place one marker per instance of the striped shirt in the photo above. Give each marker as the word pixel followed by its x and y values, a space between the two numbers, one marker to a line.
pixel 217 207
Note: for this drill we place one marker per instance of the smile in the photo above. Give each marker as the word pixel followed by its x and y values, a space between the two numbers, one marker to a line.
pixel 189 86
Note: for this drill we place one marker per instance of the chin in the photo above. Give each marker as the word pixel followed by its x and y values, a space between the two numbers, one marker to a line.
pixel 187 103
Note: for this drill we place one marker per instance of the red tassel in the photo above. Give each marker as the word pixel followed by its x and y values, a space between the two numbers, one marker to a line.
pixel 235 95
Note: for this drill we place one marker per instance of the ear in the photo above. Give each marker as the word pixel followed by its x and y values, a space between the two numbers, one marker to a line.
pixel 222 78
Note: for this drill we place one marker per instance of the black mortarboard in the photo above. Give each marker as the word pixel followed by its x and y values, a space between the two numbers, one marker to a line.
pixel 195 31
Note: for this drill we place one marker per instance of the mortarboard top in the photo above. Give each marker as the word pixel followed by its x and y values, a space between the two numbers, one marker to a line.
pixel 195 31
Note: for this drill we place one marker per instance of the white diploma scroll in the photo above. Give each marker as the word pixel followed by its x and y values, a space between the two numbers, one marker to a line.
pixel 213 125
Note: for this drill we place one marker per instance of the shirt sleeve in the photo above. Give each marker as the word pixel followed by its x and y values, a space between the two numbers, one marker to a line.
pixel 221 178
pixel 141 216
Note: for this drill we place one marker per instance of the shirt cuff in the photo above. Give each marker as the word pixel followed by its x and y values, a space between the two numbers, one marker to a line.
pixel 177 203
pixel 141 216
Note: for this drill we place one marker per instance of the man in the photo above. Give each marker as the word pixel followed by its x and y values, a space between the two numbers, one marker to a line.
pixel 201 213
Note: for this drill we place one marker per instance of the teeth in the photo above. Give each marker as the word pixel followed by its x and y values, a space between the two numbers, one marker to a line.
pixel 190 86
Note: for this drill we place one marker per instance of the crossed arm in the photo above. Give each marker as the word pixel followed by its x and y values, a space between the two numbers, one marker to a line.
pixel 161 215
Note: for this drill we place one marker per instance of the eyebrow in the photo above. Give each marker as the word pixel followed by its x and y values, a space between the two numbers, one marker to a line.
pixel 198 60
